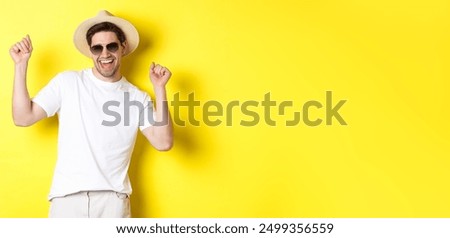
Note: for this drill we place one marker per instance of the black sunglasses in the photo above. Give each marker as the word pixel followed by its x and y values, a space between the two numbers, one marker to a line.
pixel 111 47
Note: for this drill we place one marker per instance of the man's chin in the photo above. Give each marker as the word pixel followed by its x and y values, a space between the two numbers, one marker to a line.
pixel 106 74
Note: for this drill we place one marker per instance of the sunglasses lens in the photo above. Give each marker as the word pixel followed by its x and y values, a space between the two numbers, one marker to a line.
pixel 112 47
pixel 96 49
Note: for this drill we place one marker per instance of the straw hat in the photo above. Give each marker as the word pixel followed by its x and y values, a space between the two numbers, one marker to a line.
pixel 131 34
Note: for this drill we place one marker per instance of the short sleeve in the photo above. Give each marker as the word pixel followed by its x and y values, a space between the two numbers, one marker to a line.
pixel 49 98
pixel 147 116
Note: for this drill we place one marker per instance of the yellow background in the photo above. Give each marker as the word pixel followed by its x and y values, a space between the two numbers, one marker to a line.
pixel 389 59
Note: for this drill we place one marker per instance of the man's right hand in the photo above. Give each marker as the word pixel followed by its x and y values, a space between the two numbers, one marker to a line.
pixel 21 51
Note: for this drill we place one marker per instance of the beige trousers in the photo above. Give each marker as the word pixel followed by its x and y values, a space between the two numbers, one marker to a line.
pixel 91 204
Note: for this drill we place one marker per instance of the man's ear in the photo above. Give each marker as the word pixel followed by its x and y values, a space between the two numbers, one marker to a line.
pixel 125 47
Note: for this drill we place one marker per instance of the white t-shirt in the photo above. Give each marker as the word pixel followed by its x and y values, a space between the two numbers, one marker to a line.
pixel 98 124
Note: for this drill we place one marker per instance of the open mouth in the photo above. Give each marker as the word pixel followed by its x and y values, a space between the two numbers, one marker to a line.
pixel 106 62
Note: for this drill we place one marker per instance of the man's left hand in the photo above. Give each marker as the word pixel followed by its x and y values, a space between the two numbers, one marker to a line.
pixel 159 75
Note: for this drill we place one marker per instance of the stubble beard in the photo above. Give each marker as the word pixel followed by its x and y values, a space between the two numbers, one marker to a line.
pixel 107 73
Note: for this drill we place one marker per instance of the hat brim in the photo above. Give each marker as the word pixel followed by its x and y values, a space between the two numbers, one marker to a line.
pixel 131 34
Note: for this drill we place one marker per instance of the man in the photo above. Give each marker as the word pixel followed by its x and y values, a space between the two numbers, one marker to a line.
pixel 99 114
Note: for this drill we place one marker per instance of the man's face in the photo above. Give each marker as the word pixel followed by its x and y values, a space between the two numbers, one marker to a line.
pixel 107 62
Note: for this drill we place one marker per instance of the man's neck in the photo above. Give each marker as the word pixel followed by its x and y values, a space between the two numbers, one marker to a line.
pixel 116 77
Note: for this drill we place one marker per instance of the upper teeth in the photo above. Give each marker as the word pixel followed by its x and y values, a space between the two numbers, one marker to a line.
pixel 105 61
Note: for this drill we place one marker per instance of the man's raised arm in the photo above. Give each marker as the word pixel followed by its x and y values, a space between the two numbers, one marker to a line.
pixel 25 112
pixel 160 136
